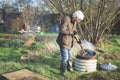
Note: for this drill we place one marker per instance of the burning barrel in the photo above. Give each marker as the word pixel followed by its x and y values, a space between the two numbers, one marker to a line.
pixel 85 61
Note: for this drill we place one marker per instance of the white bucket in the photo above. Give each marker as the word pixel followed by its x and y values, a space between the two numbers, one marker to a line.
pixel 85 65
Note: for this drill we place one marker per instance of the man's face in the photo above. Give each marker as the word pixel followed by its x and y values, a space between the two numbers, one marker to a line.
pixel 76 19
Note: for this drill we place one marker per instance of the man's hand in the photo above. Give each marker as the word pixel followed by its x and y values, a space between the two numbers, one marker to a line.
pixel 74 32
pixel 79 41
pixel 75 19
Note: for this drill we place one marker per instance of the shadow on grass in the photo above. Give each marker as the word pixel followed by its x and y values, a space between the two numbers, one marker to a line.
pixel 100 75
pixel 91 77
pixel 50 61
pixel 12 55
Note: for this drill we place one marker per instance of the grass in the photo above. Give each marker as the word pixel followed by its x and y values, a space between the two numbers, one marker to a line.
pixel 48 63
pixel 47 34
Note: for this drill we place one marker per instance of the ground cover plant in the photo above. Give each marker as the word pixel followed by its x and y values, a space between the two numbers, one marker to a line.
pixel 42 61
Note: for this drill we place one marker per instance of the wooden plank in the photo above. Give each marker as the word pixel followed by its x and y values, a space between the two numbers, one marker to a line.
pixel 24 74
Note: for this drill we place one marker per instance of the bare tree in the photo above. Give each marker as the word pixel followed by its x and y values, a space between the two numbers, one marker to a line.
pixel 20 6
pixel 28 14
pixel 100 15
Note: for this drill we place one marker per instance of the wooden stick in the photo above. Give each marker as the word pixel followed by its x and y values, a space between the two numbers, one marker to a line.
pixel 78 38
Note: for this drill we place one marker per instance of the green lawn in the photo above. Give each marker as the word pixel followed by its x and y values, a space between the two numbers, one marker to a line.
pixel 47 63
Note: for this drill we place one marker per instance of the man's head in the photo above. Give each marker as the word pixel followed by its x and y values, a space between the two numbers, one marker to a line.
pixel 77 16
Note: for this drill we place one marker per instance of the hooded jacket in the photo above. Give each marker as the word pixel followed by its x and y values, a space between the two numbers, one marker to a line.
pixel 65 36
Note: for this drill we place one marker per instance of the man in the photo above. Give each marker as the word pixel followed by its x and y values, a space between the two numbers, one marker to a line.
pixel 65 40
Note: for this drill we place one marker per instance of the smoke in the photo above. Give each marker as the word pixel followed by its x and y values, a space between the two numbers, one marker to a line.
pixel 87 45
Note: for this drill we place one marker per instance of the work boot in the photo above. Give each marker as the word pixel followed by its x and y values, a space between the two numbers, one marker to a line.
pixel 62 70
pixel 69 66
